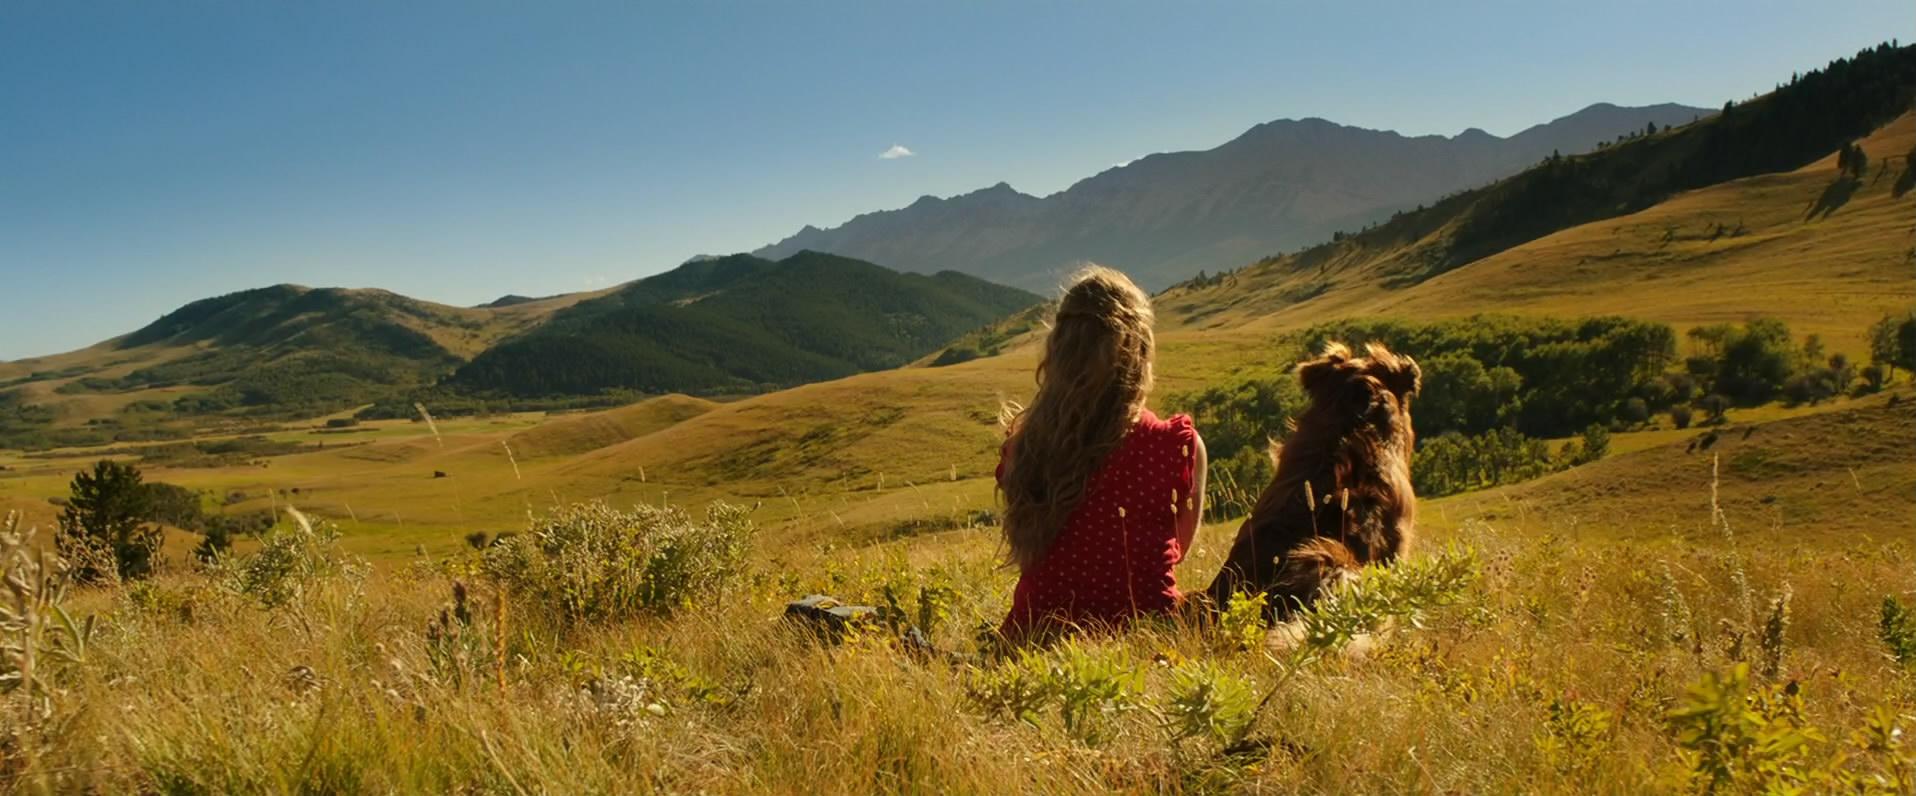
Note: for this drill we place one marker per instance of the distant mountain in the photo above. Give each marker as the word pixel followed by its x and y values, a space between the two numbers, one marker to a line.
pixel 1280 186
pixel 741 323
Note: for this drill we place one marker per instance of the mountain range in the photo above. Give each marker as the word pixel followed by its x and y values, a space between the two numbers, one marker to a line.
pixel 751 323
pixel 1163 218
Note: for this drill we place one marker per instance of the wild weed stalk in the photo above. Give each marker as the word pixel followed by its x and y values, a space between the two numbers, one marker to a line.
pixel 38 637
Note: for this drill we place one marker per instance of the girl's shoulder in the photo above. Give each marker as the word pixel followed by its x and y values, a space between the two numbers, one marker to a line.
pixel 1177 428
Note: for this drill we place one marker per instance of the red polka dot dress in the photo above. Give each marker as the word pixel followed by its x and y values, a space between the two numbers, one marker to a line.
pixel 1114 558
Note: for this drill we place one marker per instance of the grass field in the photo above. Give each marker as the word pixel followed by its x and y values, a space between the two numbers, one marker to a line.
pixel 1596 600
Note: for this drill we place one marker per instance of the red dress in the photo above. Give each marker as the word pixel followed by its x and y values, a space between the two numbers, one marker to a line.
pixel 1114 558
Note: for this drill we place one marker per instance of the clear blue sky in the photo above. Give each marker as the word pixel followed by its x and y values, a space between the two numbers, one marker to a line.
pixel 152 153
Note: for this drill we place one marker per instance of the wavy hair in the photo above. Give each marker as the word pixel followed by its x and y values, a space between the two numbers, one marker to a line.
pixel 1092 382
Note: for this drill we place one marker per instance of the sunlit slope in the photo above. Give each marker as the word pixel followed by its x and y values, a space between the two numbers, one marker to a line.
pixel 1829 475
pixel 909 425
pixel 1805 246
pixel 1808 246
pixel 575 434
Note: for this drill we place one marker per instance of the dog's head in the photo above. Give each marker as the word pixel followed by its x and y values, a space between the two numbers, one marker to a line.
pixel 1374 389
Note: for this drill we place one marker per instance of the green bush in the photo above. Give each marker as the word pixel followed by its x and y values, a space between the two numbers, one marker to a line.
pixel 1206 701
pixel 1680 416
pixel 590 561
pixel 1897 628
pixel 1088 685
pixel 291 561
pixel 1238 422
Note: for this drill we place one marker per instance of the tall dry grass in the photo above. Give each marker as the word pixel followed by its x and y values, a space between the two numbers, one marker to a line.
pixel 1559 668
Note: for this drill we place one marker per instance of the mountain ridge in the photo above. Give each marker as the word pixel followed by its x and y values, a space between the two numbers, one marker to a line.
pixel 1162 217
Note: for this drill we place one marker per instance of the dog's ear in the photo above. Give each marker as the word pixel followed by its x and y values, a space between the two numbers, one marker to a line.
pixel 1362 401
pixel 1319 375
pixel 1397 371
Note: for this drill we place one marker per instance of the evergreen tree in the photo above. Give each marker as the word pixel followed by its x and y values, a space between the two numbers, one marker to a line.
pixel 217 540
pixel 107 516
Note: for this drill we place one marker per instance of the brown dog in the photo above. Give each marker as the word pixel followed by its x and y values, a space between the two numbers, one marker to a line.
pixel 1342 496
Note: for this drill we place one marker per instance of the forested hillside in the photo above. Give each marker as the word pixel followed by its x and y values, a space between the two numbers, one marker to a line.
pixel 741 323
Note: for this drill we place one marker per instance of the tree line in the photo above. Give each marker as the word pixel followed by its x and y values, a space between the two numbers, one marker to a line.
pixel 1495 388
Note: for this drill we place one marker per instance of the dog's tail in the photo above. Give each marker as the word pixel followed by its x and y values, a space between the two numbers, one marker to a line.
pixel 1312 568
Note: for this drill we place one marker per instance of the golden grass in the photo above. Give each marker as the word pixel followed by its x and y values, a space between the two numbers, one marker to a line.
pixel 186 689
pixel 575 435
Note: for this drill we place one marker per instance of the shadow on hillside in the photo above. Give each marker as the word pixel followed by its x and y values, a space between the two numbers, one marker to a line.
pixel 1907 179
pixel 1835 196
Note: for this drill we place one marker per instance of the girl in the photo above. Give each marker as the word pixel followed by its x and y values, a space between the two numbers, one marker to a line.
pixel 1101 496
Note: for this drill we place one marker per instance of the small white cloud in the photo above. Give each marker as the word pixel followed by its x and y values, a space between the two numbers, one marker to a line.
pixel 895 152
pixel 1125 163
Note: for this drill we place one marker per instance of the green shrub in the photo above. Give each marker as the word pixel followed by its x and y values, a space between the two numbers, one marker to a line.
pixel 1450 463
pixel 1897 627
pixel 1088 686
pixel 590 561
pixel 1208 702
pixel 1680 416
pixel 290 562
pixel 1242 624
pixel 1745 739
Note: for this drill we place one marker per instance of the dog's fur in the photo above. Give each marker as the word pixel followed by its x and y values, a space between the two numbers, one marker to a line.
pixel 1342 496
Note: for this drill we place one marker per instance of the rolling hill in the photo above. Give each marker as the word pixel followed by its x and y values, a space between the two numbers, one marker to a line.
pixel 1164 217
pixel 571 436
pixel 741 323
pixel 274 352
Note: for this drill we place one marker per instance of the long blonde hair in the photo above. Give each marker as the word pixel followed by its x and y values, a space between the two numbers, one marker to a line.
pixel 1092 382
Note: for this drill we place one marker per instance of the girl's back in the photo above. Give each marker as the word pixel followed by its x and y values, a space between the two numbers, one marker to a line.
pixel 1101 497
pixel 1114 557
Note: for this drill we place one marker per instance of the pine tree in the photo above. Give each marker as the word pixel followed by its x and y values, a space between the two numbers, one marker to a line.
pixel 107 516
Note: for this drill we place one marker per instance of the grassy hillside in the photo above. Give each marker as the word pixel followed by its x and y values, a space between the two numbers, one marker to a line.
pixel 742 324
pixel 575 435
pixel 1723 219
pixel 1835 478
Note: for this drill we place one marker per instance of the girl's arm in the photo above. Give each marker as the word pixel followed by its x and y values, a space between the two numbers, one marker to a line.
pixel 1188 521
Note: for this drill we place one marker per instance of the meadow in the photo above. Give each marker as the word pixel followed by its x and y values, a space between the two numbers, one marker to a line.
pixel 1662 620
